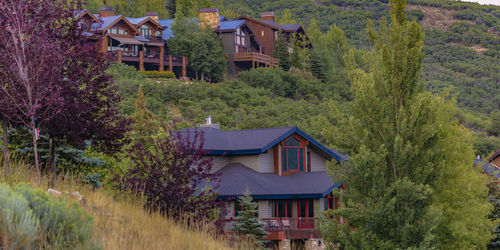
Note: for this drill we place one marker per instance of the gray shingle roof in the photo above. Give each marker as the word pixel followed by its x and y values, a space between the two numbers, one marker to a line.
pixel 235 178
pixel 253 141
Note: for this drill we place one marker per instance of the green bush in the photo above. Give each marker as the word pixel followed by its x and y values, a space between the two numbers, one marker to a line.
pixel 34 219
pixel 159 74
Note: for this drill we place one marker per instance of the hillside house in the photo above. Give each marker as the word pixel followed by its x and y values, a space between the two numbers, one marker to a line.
pixel 492 166
pixel 284 170
pixel 134 41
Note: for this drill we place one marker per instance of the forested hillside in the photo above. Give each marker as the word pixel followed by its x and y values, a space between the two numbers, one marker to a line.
pixel 462 43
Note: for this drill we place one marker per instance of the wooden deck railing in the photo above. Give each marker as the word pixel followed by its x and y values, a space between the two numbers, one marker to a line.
pixel 284 227
pixel 256 57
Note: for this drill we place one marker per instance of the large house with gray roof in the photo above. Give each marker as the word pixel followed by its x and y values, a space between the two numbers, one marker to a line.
pixel 141 41
pixel 285 171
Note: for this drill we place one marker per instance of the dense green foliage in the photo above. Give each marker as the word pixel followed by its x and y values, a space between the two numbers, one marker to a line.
pixel 159 74
pixel 409 158
pixel 33 220
pixel 205 53
pixel 449 59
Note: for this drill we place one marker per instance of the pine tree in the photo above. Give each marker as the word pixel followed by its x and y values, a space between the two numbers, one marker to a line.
pixel 317 66
pixel 145 124
pixel 409 159
pixel 248 223
pixel 281 52
pixel 170 5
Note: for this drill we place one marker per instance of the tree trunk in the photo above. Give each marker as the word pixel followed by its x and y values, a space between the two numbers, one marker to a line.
pixel 53 162
pixel 6 148
pixel 4 238
pixel 35 151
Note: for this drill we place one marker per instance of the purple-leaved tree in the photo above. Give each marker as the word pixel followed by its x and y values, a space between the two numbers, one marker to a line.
pixel 55 80
pixel 32 61
pixel 173 176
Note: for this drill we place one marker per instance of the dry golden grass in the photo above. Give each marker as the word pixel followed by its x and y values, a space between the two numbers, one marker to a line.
pixel 124 224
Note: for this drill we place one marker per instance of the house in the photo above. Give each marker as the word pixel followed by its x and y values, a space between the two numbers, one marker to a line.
pixel 283 168
pixel 240 41
pixel 268 31
pixel 134 41
pixel 492 167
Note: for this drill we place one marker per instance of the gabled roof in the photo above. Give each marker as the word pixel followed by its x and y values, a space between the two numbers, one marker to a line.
pixel 290 27
pixel 106 22
pixel 272 25
pixel 253 141
pixel 80 13
pixel 235 178
pixel 495 155
pixel 141 20
pixel 230 25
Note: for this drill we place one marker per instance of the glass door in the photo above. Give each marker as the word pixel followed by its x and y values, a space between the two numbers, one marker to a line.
pixel 305 212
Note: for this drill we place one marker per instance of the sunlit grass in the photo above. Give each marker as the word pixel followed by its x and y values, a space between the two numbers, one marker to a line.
pixel 123 223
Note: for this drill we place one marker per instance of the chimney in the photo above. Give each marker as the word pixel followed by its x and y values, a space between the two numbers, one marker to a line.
pixel 209 124
pixel 106 11
pixel 209 17
pixel 152 14
pixel 267 16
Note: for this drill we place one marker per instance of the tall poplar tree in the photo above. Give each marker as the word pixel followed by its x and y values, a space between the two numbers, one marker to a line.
pixel 409 180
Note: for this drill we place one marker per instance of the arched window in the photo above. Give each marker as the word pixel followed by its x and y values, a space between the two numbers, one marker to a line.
pixel 293 156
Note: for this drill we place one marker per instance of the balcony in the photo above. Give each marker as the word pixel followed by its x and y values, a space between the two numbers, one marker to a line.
pixel 256 59
pixel 286 228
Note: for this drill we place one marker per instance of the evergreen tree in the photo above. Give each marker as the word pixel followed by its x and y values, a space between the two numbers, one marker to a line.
pixel 247 222
pixel 318 66
pixel 204 51
pixel 145 124
pixel 170 5
pixel 409 159
pixel 281 52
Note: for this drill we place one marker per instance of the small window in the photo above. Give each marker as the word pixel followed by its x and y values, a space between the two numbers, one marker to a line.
pixel 293 156
pixel 282 208
pixel 262 33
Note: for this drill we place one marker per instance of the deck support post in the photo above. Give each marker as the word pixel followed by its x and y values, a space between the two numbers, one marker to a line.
pixel 184 67
pixel 141 60
pixel 161 67
pixel 170 64
pixel 119 56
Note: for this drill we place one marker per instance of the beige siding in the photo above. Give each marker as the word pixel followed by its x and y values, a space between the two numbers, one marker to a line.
pixel 266 162
pixel 219 162
pixel 251 161
pixel 318 163
pixel 264 209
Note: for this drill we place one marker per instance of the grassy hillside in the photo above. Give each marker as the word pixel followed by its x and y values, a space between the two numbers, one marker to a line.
pixel 121 223
pixel 462 39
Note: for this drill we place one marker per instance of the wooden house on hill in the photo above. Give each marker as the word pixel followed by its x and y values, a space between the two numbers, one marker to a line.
pixel 134 41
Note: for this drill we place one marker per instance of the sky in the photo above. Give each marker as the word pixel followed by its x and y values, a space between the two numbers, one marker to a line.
pixel 494 2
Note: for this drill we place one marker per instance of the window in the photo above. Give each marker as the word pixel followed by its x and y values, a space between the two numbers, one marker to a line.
pixel 331 202
pixel 262 33
pixel 145 30
pixel 282 208
pixel 158 33
pixel 306 208
pixel 293 159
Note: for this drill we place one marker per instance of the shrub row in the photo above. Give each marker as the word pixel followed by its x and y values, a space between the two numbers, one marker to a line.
pixel 32 219
pixel 159 74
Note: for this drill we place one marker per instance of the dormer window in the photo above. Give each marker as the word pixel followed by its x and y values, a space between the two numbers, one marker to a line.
pixel 293 156
pixel 146 31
